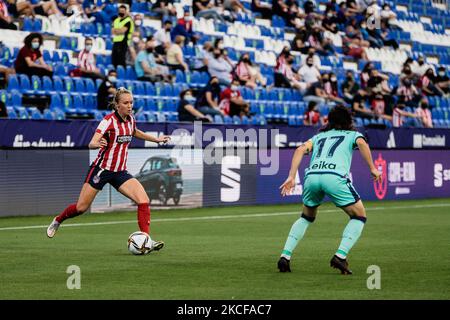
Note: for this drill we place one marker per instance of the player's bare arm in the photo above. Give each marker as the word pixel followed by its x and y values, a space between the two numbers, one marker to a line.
pixel 148 137
pixel 97 141
pixel 289 184
pixel 367 156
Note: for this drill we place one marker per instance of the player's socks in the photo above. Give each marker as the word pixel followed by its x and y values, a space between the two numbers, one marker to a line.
pixel 69 212
pixel 143 215
pixel 351 234
pixel 297 232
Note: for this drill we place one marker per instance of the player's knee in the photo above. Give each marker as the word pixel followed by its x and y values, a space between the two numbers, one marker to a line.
pixel 143 199
pixel 308 218
pixel 363 219
pixel 82 207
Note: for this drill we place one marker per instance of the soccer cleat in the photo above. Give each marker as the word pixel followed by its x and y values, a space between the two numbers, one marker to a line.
pixel 283 265
pixel 340 264
pixel 156 246
pixel 52 228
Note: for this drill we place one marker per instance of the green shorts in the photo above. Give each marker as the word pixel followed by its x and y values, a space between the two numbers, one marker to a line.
pixel 337 187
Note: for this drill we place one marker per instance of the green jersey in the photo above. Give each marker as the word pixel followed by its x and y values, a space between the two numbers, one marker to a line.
pixel 332 152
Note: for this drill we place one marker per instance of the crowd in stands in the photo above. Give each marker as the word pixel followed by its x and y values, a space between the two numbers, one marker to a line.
pixel 159 56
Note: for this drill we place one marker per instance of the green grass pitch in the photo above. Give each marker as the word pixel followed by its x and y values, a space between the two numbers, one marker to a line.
pixel 230 253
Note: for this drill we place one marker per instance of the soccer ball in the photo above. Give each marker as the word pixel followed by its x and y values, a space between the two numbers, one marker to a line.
pixel 139 243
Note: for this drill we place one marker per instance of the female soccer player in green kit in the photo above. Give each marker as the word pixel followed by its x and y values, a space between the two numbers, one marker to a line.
pixel 328 174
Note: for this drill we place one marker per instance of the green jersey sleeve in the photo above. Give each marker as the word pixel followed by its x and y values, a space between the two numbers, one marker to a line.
pixel 357 135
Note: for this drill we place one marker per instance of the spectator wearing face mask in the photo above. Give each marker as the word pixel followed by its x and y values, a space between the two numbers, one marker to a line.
pixel 349 87
pixel 136 45
pixel 29 60
pixel 163 38
pixel 428 85
pixel 379 106
pixel 420 67
pixel 184 28
pixel 186 109
pixel 246 74
pixel 330 21
pixel 231 101
pixel 203 55
pixel 442 80
pixel 106 90
pixel 123 28
pixel 6 21
pixel 407 74
pixel 309 72
pixel 220 67
pixel 312 116
pixel 208 100
pixel 86 62
pixel 330 86
pixel 147 67
pixel 424 114
pixel 408 93
pixel 206 9
pixel 164 8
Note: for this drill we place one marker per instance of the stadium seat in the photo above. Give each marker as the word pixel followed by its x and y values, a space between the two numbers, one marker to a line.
pixel 121 74
pixel 16 98
pixel 36 115
pixel 47 85
pixel 12 114
pixel 218 119
pixel 36 85
pixel 13 82
pixel 25 85
pixel 48 115
pixel 90 86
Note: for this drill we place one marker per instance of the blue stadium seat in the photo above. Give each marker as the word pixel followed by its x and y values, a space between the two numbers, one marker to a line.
pixel 47 85
pixel 25 85
pixel 90 86
pixel 218 119
pixel 48 115
pixel 227 120
pixel 69 85
pixel 292 120
pixel 12 114
pixel 36 115
pixel 245 120
pixel 121 74
pixel 56 57
pixel 66 100
pixel 13 82
pixel 47 56
pixel 36 85
pixel 22 113
pixel 130 73
pixel 16 98
pixel 59 114
pixel 60 70
pixel 56 102
pixel 79 85
pixel 58 84
pixel 27 24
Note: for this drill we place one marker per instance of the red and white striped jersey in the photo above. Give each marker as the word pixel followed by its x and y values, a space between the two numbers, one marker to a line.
pixel 425 116
pixel 118 133
pixel 397 118
pixel 86 60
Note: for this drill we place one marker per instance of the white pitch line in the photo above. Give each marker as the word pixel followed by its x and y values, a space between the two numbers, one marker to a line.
pixel 238 216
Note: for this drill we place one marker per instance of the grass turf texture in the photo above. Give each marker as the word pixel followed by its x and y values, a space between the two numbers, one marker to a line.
pixel 231 257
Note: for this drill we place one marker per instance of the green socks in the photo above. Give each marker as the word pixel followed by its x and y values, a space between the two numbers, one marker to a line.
pixel 351 234
pixel 297 232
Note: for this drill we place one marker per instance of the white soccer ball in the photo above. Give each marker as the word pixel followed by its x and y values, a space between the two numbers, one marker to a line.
pixel 139 243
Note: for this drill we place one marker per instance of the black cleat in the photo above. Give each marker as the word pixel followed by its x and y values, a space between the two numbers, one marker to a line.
pixel 283 265
pixel 340 264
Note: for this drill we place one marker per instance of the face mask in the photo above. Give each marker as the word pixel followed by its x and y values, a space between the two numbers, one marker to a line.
pixel 138 23
pixel 246 60
pixel 189 98
pixel 89 47
pixel 217 55
pixel 150 50
pixel 136 39
pixel 333 79
pixel 35 45
pixel 234 87
pixel 425 105
pixel 407 71
pixel 121 14
pixel 112 78
pixel 420 62
pixel 220 46
pixel 442 73
pixel 167 29
pixel 310 64
pixel 188 18
pixel 329 15
pixel 215 84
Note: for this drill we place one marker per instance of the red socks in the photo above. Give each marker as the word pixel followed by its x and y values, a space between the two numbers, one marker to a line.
pixel 69 212
pixel 143 215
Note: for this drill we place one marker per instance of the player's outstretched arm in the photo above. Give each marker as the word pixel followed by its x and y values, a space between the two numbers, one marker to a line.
pixel 367 156
pixel 148 137
pixel 289 184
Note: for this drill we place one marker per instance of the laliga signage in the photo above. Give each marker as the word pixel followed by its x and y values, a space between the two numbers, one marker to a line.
pixel 421 140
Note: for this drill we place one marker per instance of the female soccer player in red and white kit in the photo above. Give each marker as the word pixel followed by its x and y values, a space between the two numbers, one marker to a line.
pixel 113 136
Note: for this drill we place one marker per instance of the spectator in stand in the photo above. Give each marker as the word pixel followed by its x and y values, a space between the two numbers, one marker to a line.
pixel 220 66
pixel 17 9
pixel 349 87
pixel 247 74
pixel 442 80
pixel 135 46
pixel 428 86
pixel 184 28
pixel 298 43
pixel 202 57
pixel 312 54
pixel 382 35
pixel 322 45
pixel 146 66
pixel 379 106
pixel 330 86
pixel 420 67
pixel 175 58
pixel 353 45
pixel 263 8
pixel 100 12
pixel 400 117
pixel 365 74
pixel 232 103
pixel 389 17
pixel 206 9
pixel 287 78
pixel 359 105
pixel 86 66
pixel 312 116
pixel 424 114
pixel 164 8
pixel 29 60
pixel 123 28
pixel 280 8
pixel 186 109
pixel 309 72
pixel 107 90
pixel 279 71
pixel 208 100
pixel 378 82
pixel 6 21
pixel 163 38
pixel 407 74
pixel 330 21
pixel 316 93
pixel 368 35
pixel 4 70
pixel 408 93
